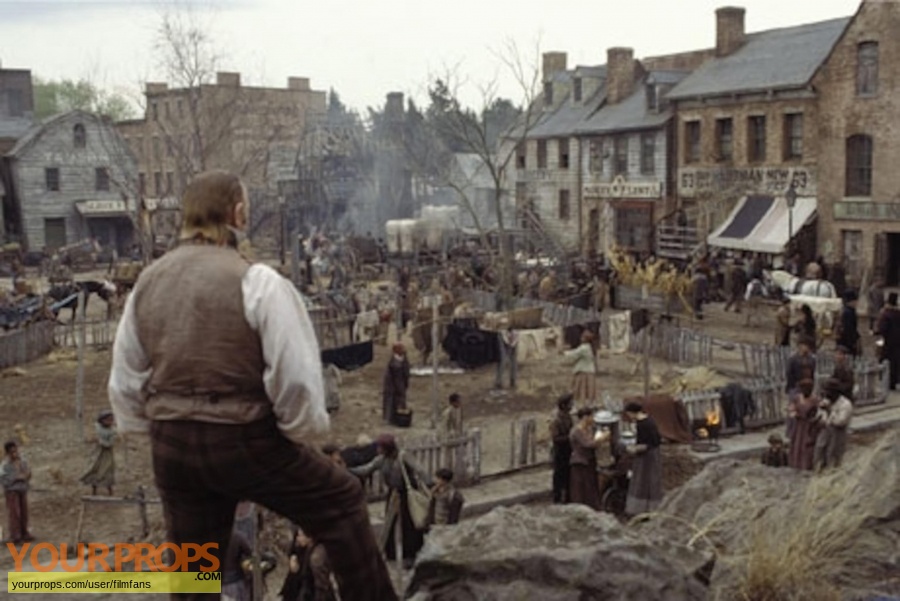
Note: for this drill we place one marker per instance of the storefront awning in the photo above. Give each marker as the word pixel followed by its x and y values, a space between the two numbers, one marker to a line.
pixel 761 224
pixel 103 208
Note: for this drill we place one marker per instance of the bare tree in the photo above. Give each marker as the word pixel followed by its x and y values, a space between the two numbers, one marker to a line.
pixel 472 130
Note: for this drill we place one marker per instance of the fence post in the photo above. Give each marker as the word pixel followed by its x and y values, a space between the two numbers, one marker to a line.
pixel 476 448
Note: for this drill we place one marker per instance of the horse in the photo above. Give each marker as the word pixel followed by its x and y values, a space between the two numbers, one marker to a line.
pixel 792 285
pixel 66 295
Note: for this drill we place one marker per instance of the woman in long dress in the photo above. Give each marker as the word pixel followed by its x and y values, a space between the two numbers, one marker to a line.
pixel 584 483
pixel 584 369
pixel 645 488
pixel 396 381
pixel 103 470
pixel 804 409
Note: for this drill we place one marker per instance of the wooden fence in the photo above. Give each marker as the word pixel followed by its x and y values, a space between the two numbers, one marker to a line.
pixel 554 313
pixel 522 443
pixel 431 453
pixel 674 344
pixel 26 344
pixel 99 333
pixel 635 297
pixel 768 404
pixel 871 377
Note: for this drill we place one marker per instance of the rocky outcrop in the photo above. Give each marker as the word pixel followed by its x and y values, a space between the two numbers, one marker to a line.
pixel 557 553
pixel 796 532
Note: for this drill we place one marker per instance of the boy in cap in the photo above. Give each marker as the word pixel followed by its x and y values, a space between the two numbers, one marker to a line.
pixel 775 455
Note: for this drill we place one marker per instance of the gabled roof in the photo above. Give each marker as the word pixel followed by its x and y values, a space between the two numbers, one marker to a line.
pixel 32 135
pixel 769 60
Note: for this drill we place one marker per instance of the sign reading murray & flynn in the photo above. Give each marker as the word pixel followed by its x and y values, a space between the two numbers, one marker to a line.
pixel 696 181
pixel 619 188
pixel 868 211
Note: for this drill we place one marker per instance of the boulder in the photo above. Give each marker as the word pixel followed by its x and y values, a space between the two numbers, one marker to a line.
pixel 556 553
pixel 801 534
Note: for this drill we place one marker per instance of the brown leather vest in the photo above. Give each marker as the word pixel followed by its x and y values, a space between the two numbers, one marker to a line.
pixel 189 310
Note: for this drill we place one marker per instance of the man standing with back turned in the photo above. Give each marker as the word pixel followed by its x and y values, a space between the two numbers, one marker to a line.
pixel 217 359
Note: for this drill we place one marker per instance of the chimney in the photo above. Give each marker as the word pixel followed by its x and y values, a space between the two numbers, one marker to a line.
pixel 156 88
pixel 620 74
pixel 393 109
pixel 554 62
pixel 298 83
pixel 729 29
pixel 228 78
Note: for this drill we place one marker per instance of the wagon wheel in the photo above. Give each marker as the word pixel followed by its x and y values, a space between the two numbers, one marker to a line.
pixel 613 500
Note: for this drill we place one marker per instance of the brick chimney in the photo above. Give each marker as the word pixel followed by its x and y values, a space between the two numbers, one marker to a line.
pixel 227 78
pixel 621 71
pixel 156 87
pixel 393 109
pixel 298 83
pixel 554 62
pixel 730 34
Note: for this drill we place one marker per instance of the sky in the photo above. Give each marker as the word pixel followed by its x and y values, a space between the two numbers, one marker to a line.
pixel 364 49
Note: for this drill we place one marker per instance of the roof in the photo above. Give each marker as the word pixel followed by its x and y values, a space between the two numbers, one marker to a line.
pixel 772 59
pixel 633 113
pixel 32 135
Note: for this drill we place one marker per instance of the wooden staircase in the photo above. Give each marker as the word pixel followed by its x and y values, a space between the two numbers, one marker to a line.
pixel 679 241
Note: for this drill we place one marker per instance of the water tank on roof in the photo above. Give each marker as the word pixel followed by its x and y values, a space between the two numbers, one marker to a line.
pixel 400 236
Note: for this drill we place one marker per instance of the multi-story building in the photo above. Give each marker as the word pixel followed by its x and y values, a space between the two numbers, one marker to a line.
pixel 859 145
pixel 748 132
pixel 221 125
pixel 16 117
pixel 72 179
pixel 594 171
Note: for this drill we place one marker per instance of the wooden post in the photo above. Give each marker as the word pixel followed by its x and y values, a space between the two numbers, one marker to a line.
pixel 142 509
pixel 80 524
pixel 257 592
pixel 79 376
pixel 434 301
pixel 648 340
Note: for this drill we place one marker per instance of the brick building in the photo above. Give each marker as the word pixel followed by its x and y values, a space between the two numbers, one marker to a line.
pixel 859 179
pixel 72 179
pixel 221 125
pixel 748 132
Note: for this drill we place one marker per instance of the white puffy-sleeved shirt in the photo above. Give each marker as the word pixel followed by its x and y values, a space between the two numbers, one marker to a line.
pixel 293 371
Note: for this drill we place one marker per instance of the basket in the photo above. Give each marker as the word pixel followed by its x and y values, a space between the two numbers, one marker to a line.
pixel 403 418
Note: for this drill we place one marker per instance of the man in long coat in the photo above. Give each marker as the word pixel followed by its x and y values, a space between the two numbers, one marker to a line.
pixel 396 381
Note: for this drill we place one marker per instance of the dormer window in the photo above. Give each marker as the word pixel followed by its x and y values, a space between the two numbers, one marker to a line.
pixel 576 89
pixel 548 93
pixel 79 138
pixel 652 97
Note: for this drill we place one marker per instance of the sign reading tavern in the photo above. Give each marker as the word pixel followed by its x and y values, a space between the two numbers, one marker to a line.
pixel 619 188
pixel 875 211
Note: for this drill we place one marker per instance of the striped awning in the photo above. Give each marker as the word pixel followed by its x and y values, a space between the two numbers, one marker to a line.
pixel 762 224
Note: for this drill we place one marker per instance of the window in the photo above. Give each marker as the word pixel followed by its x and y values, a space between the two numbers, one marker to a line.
pixel 156 154
pixel 548 93
pixel 79 138
pixel 542 154
pixel 169 147
pixel 15 103
pixel 139 147
pixel 634 227
pixel 166 110
pixel 724 140
pixel 101 179
pixel 51 178
pixel 521 149
pixel 867 68
pixel 756 139
pixel 652 97
pixel 563 144
pixel 142 184
pixel 576 89
pixel 563 211
pixel 180 106
pixel 793 136
pixel 170 183
pixel 154 110
pixel 596 155
pixel 859 166
pixel 620 149
pixel 692 142
pixel 157 184
pixel 648 153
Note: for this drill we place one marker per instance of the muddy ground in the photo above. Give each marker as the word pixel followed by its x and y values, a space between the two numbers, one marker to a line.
pixel 40 397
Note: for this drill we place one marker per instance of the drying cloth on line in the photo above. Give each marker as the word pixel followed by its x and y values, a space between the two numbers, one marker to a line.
pixel 535 344
pixel 619 332
pixel 366 325
pixel 349 357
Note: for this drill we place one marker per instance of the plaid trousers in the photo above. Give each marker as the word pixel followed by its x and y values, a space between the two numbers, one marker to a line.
pixel 203 470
